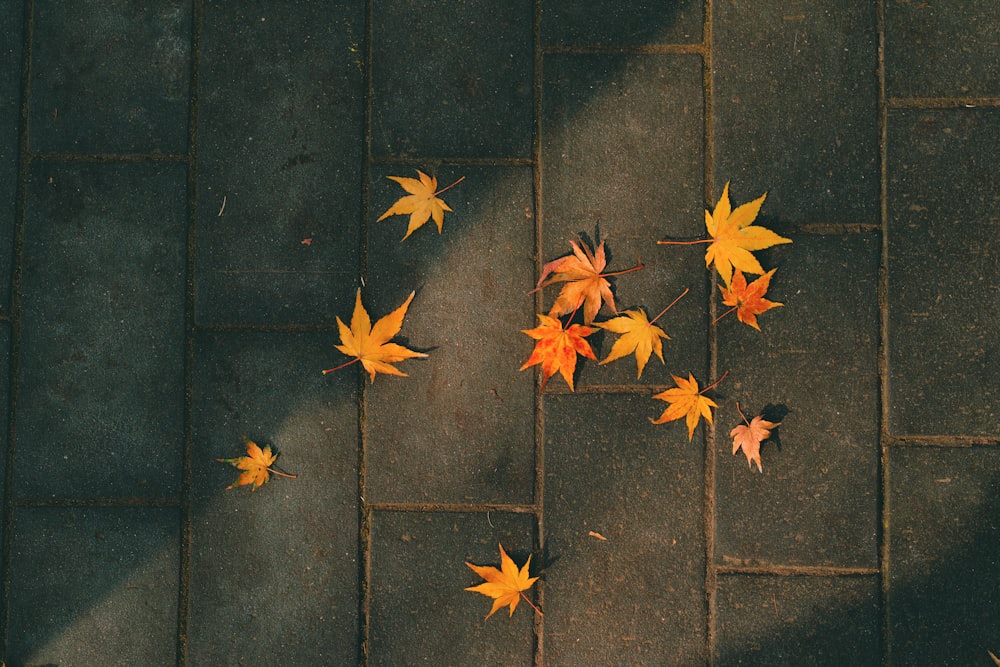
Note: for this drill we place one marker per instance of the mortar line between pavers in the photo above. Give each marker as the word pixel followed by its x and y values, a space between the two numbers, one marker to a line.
pixel 708 434
pixel 14 300
pixel 637 389
pixel 422 162
pixel 637 50
pixel 186 519
pixel 946 441
pixel 126 501
pixel 271 328
pixel 458 508
pixel 172 158
pixel 538 499
pixel 364 513
pixel 882 297
pixel 796 570
pixel 942 102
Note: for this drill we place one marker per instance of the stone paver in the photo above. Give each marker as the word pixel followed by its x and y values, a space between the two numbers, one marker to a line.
pixel 617 23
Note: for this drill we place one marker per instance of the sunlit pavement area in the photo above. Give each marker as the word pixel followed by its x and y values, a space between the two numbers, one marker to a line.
pixel 188 201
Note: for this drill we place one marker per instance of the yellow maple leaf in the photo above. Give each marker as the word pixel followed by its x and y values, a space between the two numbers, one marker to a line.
pixel 505 585
pixel 687 401
pixel 256 466
pixel 638 334
pixel 557 347
pixel 422 203
pixel 734 237
pixel 370 345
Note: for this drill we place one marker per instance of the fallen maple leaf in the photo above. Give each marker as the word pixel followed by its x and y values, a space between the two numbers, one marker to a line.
pixel 687 401
pixel 748 300
pixel 995 659
pixel 638 334
pixel 748 436
pixel 505 585
pixel 557 347
pixel 422 203
pixel 734 237
pixel 585 284
pixel 370 345
pixel 256 466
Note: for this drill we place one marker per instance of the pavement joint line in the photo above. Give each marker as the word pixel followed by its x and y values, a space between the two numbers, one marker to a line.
pixel 172 158
pixel 411 161
pixel 643 50
pixel 942 102
pixel 948 441
pixel 796 570
pixel 454 508
pixel 97 502
pixel 835 228
pixel 637 389
pixel 303 327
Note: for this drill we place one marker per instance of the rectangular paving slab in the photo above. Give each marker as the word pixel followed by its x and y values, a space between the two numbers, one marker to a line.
pixel 420 612
pixel 795 92
pixel 944 240
pixel 102 331
pixel 816 502
pixel 944 596
pixel 460 428
pixel 94 586
pixel 280 132
pixel 273 571
pixel 621 23
pixel 11 40
pixel 764 620
pixel 110 77
pixel 634 597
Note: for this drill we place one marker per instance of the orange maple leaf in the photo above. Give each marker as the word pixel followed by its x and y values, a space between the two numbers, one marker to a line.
pixel 748 300
pixel 256 466
pixel 748 436
pixel 687 401
pixel 507 585
pixel 370 345
pixel 557 347
pixel 422 203
pixel 585 284
pixel 734 237
pixel 638 334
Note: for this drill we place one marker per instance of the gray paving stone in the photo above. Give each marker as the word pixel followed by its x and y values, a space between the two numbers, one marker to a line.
pixel 942 49
pixel 110 76
pixel 280 133
pixel 944 599
pixel 816 502
pixel 11 31
pixel 420 612
pixel 767 620
pixel 94 586
pixel 636 598
pixel 452 80
pixel 621 23
pixel 944 239
pixel 102 350
pixel 796 96
pixel 636 180
pixel 273 571
pixel 460 428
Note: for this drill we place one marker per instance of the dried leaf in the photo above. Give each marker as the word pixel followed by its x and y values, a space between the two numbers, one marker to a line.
pixel 256 466
pixel 598 536
pixel 748 300
pixel 995 659
pixel 370 345
pixel 638 335
pixel 505 585
pixel 421 204
pixel 749 436
pixel 686 401
pixel 734 237
pixel 585 284
pixel 557 347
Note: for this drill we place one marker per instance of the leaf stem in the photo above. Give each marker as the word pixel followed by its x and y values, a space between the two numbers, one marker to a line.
pixel 450 186
pixel 539 611
pixel 741 413
pixel 638 266
pixel 684 242
pixel 662 312
pixel 723 315
pixel 283 474
pixel 716 383
pixel 337 368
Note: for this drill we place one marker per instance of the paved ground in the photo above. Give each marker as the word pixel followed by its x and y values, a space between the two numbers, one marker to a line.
pixel 188 195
